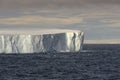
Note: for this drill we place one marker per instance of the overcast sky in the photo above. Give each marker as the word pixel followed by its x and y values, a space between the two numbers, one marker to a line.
pixel 99 19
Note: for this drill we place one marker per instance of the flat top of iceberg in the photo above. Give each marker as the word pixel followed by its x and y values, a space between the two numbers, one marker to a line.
pixel 37 31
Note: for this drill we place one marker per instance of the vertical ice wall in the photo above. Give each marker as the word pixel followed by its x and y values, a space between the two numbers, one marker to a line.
pixel 28 43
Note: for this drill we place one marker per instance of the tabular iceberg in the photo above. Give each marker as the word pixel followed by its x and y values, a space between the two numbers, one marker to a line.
pixel 41 41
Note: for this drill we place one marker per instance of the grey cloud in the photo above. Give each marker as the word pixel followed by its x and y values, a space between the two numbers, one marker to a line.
pixel 105 1
pixel 52 4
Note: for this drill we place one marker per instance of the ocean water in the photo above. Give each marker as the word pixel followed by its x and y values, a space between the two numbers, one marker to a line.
pixel 95 62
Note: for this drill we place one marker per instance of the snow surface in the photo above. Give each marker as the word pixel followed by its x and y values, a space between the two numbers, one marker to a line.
pixel 35 41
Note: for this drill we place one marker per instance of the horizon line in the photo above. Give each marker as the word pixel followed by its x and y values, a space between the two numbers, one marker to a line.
pixel 103 41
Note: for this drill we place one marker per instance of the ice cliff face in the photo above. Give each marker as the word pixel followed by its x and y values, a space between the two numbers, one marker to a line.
pixel 35 43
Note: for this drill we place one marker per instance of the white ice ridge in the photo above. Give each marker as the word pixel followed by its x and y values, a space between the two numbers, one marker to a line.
pixel 36 41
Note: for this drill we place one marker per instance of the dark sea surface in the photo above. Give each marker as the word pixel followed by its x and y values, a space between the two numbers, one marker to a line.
pixel 95 62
